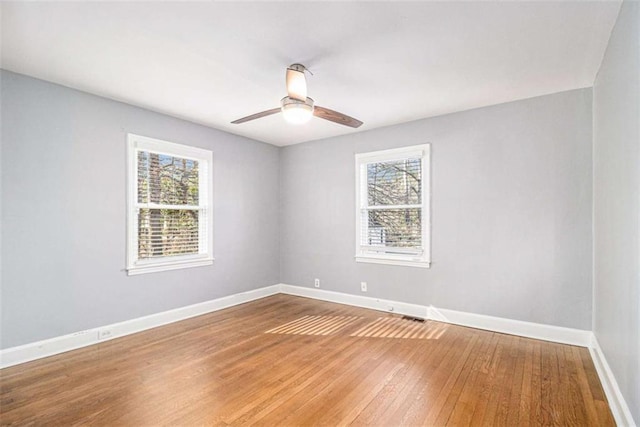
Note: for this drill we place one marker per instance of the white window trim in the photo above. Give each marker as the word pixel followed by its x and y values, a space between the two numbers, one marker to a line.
pixel 137 143
pixel 423 259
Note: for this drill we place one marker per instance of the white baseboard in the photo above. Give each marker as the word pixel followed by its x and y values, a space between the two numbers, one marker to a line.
pixel 479 321
pixel 28 352
pixel 617 403
pixel 537 331
pixel 357 300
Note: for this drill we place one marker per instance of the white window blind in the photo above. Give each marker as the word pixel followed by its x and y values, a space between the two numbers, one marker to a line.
pixel 170 217
pixel 392 208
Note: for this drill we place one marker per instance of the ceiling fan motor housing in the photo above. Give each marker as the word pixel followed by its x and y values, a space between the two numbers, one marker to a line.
pixel 298 67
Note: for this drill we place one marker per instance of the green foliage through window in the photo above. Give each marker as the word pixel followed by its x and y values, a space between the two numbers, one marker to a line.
pixel 394 197
pixel 170 185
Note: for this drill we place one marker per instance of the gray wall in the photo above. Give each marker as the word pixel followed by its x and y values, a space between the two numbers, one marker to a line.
pixel 511 212
pixel 63 213
pixel 616 126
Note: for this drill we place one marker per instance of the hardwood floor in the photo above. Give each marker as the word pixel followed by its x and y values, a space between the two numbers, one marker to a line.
pixel 287 360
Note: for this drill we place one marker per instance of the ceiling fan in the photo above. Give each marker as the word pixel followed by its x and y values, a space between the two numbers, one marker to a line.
pixel 297 108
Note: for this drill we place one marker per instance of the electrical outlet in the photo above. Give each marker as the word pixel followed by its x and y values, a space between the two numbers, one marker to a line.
pixel 363 286
pixel 103 334
pixel 316 283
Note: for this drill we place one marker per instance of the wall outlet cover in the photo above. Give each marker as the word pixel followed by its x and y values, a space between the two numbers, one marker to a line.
pixel 104 334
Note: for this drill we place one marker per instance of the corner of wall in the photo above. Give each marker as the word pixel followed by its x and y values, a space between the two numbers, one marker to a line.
pixel 617 403
pixel 280 210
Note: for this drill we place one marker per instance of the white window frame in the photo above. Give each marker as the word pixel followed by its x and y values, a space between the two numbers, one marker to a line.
pixel 411 258
pixel 137 143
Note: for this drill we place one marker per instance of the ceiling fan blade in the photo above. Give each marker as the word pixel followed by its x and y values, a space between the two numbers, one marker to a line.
pixel 256 116
pixel 336 117
pixel 296 82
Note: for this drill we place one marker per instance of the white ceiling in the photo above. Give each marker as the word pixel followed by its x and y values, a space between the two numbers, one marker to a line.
pixel 383 62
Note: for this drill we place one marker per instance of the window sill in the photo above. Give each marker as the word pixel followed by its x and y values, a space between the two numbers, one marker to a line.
pixel 393 261
pixel 154 268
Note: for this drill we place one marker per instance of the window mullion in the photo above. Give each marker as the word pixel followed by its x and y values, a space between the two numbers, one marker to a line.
pixel 382 207
pixel 166 206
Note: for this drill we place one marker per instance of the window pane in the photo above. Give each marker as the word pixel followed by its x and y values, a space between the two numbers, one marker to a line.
pixel 166 179
pixel 166 232
pixel 400 228
pixel 396 182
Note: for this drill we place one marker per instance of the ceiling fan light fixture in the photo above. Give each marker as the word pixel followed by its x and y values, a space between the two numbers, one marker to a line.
pixel 295 111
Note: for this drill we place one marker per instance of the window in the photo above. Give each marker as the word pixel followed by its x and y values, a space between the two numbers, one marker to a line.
pixel 392 208
pixel 170 218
